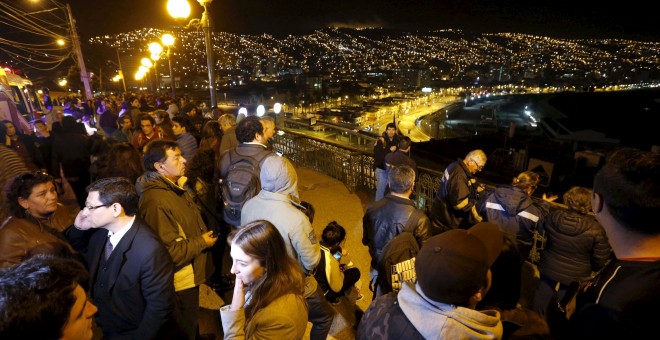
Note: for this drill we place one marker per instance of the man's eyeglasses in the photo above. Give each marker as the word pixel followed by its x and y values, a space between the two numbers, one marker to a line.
pixel 90 208
pixel 479 167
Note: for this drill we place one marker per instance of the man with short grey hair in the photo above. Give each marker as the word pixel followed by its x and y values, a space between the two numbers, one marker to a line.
pixel 454 203
pixel 228 126
pixel 269 130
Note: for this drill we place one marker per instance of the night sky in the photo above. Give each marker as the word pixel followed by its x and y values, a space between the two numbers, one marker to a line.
pixel 558 18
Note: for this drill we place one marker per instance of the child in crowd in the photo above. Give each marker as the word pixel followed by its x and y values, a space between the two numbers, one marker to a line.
pixel 334 276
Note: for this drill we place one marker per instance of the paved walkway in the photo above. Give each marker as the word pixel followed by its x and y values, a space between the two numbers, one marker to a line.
pixel 332 202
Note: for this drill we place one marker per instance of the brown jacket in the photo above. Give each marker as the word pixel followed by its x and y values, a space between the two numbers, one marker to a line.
pixel 21 238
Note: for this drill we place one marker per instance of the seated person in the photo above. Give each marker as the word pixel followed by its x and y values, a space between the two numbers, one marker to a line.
pixel 335 278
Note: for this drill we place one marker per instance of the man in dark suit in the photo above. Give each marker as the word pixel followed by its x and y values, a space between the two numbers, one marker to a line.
pixel 131 272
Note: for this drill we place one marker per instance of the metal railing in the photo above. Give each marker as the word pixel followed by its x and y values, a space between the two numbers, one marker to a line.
pixel 355 168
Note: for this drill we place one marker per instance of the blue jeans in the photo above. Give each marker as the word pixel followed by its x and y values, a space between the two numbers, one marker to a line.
pixel 381 183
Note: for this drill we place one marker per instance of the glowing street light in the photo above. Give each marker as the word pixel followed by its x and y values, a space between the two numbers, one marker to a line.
pixel 155 48
pixel 241 112
pixel 181 9
pixel 178 9
pixel 261 110
pixel 146 62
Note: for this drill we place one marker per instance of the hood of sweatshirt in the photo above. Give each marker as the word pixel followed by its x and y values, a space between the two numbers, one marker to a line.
pixel 436 320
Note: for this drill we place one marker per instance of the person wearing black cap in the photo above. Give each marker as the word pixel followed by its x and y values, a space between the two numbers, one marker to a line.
pixel 453 275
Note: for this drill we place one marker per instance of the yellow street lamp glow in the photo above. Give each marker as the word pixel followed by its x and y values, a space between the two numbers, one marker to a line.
pixel 167 39
pixel 143 69
pixel 155 48
pixel 155 57
pixel 178 8
pixel 60 42
pixel 62 82
pixel 146 62
pixel 139 75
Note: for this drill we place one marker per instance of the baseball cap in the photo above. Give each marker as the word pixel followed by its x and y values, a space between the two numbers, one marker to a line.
pixel 452 266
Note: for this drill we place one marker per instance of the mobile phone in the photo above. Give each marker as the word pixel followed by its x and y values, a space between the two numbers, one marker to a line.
pixel 337 255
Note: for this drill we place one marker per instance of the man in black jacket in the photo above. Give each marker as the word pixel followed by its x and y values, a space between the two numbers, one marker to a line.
pixel 392 213
pixel 131 272
pixel 622 301
pixel 454 205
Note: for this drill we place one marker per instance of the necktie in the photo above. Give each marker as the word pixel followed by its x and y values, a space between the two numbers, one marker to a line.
pixel 108 248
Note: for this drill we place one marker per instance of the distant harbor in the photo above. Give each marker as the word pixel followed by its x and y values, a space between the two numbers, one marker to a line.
pixel 624 116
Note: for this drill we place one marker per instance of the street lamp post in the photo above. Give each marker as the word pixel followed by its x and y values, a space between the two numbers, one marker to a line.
pixel 181 9
pixel 146 65
pixel 168 41
pixel 156 49
pixel 121 71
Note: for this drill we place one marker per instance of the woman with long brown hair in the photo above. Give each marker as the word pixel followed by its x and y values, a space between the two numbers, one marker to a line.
pixel 267 301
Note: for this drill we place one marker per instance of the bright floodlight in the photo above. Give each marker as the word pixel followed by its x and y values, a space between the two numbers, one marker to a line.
pixel 178 8
pixel 261 110
pixel 277 108
pixel 155 48
pixel 155 57
pixel 242 111
pixel 167 39
pixel 146 62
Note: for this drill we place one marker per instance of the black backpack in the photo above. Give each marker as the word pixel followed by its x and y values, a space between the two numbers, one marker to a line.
pixel 396 262
pixel 241 183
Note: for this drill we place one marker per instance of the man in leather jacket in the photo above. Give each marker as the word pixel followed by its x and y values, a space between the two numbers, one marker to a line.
pixel 395 208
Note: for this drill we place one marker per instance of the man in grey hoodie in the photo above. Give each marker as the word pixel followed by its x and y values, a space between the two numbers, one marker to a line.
pixel 453 274
pixel 276 203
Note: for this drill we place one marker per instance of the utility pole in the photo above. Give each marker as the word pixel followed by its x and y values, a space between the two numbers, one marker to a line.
pixel 84 76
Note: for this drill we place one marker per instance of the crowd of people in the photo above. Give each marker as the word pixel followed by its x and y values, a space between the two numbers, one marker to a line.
pixel 151 227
